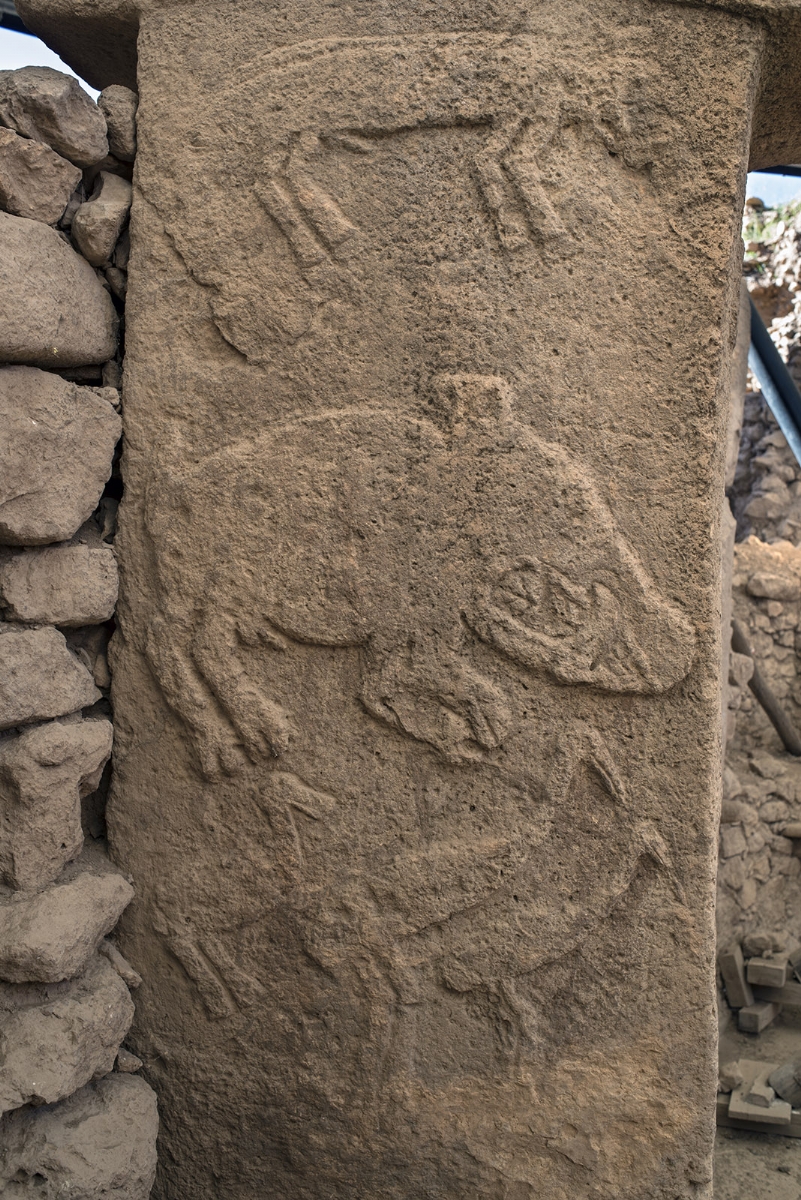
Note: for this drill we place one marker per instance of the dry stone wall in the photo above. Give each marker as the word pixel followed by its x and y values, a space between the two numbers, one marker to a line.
pixel 76 1118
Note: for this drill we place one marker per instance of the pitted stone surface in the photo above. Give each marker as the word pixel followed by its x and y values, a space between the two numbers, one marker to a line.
pixel 100 1144
pixel 39 677
pixel 421 605
pixel 35 182
pixel 55 456
pixel 44 772
pixel 98 223
pixel 54 312
pixel 118 105
pixel 50 935
pixel 53 108
pixel 59 585
pixel 57 1038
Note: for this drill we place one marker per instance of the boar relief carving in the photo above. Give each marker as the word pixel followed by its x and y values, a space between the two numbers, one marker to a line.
pixel 407 537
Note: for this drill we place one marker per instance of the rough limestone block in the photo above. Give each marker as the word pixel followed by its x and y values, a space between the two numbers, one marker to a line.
pixel 57 1038
pixel 98 223
pixel 43 775
pixel 97 1145
pixel 55 455
pixel 59 585
pixel 732 968
pixel 766 972
pixel 39 677
pixel 786 1082
pixel 53 108
pixel 740 1109
pixel 50 935
pixel 730 1076
pixel 753 1018
pixel 54 311
pixel 35 182
pixel 118 105
pixel 422 563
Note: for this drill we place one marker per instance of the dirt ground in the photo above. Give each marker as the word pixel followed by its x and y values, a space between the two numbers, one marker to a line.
pixel 757 1166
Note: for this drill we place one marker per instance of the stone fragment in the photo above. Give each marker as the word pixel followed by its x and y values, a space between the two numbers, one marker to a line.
pixel 50 935
pixel 760 1093
pixel 53 108
pixel 54 311
pixel 730 1076
pixel 766 972
pixel 741 1108
pixel 98 223
pixel 55 455
pixel 128 1062
pixel 118 105
pixel 741 668
pixel 732 968
pixel 786 1082
pixel 775 586
pixel 43 775
pixel 100 1144
pixel 57 1038
pixel 774 810
pixel 746 897
pixel 39 677
pixel 767 767
pixel 738 812
pixel 732 840
pixel 753 1018
pixel 120 964
pixel 762 942
pixel 731 784
pixel 59 585
pixel 35 182
pixel 781 845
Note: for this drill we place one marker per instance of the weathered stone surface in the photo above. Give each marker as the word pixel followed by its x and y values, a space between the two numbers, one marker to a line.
pixel 118 105
pixel 55 455
pixel 44 772
pixel 54 312
pixel 56 1038
pixel 35 182
pixel 59 585
pixel 414 698
pixel 53 108
pixel 39 677
pixel 100 1144
pixel 50 935
pixel 98 223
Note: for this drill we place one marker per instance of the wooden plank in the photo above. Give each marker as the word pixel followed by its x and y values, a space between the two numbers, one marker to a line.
pixel 789 994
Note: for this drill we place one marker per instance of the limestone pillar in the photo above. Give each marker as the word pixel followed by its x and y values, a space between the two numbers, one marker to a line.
pixel 417 678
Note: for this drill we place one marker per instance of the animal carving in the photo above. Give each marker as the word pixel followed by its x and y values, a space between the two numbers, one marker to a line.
pixel 407 537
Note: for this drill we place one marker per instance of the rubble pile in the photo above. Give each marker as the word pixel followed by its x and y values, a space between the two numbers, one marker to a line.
pixel 74 1115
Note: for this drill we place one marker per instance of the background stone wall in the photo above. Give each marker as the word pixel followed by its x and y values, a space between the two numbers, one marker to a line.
pixel 77 1119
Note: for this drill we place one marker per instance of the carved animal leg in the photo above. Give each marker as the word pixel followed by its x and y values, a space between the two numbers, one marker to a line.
pixel 432 696
pixel 256 723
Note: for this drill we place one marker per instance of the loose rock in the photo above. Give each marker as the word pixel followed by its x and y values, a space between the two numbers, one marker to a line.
pixel 59 585
pixel 58 1038
pixel 43 775
pixel 55 454
pixel 53 108
pixel 54 311
pixel 50 935
pixel 98 223
pixel 100 1144
pixel 118 105
pixel 39 677
pixel 35 182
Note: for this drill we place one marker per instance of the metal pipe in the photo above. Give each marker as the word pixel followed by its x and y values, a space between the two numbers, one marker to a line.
pixel 778 388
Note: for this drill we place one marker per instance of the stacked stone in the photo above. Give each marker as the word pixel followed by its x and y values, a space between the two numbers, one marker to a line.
pixel 75 1116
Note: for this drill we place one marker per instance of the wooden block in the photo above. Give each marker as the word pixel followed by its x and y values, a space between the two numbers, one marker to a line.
pixel 768 972
pixel 732 968
pixel 740 1109
pixel 753 1018
pixel 726 1121
pixel 790 994
pixel 786 1082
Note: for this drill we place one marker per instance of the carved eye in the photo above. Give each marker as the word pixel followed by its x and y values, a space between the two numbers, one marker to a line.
pixel 544 597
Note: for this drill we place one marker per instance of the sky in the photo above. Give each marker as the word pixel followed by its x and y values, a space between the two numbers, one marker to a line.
pixel 20 50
